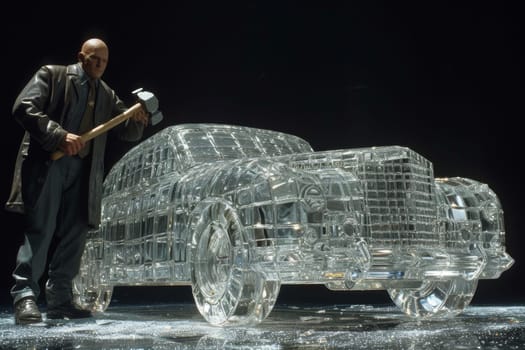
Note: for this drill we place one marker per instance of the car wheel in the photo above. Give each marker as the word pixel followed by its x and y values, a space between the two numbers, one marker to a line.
pixel 435 298
pixel 88 292
pixel 227 287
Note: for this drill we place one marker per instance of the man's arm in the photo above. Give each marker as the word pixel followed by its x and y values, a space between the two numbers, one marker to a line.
pixel 30 111
pixel 133 128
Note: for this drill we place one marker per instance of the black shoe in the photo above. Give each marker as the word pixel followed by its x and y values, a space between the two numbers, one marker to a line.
pixel 26 311
pixel 67 310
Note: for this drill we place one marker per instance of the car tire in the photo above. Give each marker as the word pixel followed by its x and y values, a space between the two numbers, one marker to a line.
pixel 88 291
pixel 435 299
pixel 227 287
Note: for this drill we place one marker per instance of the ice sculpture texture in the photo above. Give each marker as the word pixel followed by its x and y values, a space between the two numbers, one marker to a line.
pixel 236 212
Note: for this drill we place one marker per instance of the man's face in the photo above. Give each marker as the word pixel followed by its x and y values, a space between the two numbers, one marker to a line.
pixel 94 61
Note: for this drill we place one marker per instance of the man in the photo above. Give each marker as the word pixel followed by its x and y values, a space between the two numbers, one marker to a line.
pixel 60 199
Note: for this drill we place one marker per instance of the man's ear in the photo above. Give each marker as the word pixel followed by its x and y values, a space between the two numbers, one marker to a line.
pixel 81 56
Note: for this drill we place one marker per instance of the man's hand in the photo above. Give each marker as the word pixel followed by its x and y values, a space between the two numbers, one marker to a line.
pixel 71 144
pixel 141 116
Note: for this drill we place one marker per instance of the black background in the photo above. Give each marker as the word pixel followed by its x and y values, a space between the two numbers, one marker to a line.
pixel 443 78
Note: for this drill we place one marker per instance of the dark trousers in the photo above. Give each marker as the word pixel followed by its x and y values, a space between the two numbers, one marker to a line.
pixel 58 213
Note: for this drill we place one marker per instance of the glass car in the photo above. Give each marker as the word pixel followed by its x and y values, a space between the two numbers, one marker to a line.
pixel 236 212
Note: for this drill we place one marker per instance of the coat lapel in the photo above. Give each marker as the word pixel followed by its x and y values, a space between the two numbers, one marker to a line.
pixel 72 85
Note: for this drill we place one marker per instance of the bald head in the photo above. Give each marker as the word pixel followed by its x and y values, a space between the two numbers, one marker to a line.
pixel 93 44
pixel 93 56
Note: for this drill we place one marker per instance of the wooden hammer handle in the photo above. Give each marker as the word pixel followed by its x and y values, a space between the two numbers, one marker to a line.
pixel 102 128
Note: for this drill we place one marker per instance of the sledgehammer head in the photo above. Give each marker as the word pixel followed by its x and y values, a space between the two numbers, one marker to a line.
pixel 150 103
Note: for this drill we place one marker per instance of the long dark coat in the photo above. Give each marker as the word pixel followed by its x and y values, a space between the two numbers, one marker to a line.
pixel 41 108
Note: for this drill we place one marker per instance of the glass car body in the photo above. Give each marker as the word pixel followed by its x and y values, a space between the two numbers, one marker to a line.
pixel 236 212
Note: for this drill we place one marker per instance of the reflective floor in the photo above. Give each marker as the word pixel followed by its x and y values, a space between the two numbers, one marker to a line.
pixel 180 326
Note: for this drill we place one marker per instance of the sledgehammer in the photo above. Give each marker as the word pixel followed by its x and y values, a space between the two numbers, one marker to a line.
pixel 147 101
